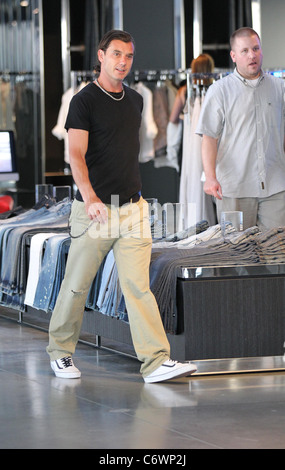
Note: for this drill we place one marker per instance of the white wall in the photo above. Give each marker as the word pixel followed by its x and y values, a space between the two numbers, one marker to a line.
pixel 273 33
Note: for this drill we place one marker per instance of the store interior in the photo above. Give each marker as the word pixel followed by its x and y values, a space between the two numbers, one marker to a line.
pixel 225 316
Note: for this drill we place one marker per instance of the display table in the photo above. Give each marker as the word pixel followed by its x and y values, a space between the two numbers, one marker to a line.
pixel 232 312
pixel 230 320
pixel 220 299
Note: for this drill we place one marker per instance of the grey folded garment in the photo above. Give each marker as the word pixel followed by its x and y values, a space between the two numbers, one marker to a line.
pixel 194 229
pixel 250 247
pixel 157 230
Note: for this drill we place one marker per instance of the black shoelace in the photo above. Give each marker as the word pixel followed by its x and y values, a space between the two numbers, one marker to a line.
pixel 67 361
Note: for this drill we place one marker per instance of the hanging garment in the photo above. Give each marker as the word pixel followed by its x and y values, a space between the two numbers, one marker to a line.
pixel 110 291
pixel 148 130
pixel 173 138
pixel 171 94
pixel 91 301
pixel 52 272
pixel 191 187
pixel 59 130
pixel 161 117
pixel 173 135
pixel 6 105
pixel 24 122
pixel 35 264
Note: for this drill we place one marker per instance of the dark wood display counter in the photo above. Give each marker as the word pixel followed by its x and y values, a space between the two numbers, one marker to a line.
pixel 233 312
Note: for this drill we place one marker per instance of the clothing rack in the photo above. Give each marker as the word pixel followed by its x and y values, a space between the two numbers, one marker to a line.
pixel 7 73
pixel 148 75
pixel 175 76
pixel 17 77
pixel 196 82
pixel 79 76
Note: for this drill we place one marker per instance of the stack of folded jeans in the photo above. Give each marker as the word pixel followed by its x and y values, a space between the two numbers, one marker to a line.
pixel 14 234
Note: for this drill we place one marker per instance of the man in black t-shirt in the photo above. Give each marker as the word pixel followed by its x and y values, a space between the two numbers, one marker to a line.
pixel 109 213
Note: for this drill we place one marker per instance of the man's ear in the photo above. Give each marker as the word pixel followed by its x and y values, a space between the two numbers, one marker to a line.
pixel 232 54
pixel 100 55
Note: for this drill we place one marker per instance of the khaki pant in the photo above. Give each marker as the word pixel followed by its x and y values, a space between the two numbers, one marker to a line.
pixel 128 234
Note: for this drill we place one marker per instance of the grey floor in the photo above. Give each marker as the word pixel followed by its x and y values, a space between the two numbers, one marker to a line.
pixel 110 407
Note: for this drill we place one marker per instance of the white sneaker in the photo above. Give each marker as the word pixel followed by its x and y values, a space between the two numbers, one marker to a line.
pixel 170 370
pixel 65 368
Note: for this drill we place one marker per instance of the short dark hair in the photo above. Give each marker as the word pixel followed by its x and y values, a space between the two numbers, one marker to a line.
pixel 241 32
pixel 114 34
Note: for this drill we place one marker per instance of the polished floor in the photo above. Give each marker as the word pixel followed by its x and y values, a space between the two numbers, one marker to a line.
pixel 111 407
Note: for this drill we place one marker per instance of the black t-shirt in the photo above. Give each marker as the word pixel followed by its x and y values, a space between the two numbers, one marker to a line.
pixel 113 146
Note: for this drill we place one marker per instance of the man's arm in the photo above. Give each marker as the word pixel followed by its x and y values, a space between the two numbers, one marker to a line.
pixel 209 157
pixel 78 143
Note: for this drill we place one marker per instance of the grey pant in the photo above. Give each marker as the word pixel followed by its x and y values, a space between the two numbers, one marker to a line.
pixel 128 234
pixel 266 212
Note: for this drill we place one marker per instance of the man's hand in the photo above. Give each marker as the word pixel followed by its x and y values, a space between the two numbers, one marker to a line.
pixel 97 211
pixel 209 157
pixel 213 188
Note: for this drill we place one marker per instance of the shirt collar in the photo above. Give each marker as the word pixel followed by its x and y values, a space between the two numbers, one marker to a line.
pixel 244 80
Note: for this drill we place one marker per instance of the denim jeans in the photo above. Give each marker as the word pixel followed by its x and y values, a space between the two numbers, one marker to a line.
pixel 13 237
pixel 35 265
pixel 93 293
pixel 52 272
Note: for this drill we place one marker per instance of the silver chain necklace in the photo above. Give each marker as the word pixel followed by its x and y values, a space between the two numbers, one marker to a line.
pixel 103 89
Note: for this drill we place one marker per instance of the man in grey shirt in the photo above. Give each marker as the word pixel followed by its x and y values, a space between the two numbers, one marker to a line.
pixel 242 124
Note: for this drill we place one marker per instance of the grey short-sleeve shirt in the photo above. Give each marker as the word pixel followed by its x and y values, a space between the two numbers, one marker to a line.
pixel 247 118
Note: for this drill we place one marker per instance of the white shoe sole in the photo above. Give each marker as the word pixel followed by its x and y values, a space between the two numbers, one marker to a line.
pixel 66 375
pixel 184 371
